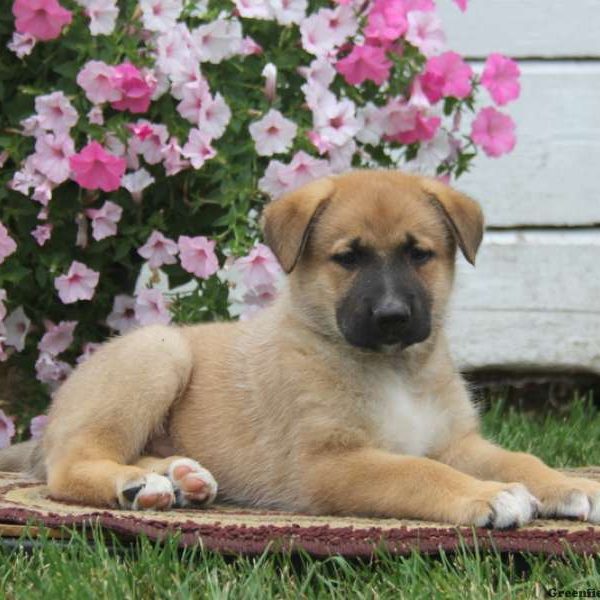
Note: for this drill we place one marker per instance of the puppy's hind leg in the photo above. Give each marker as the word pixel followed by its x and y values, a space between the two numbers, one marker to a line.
pixel 104 414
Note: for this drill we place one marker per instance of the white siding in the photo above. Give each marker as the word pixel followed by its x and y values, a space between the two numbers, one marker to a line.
pixel 524 28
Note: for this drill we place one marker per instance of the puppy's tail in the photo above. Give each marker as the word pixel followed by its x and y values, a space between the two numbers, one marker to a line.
pixel 25 457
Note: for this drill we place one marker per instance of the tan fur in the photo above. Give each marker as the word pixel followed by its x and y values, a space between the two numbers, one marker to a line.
pixel 280 408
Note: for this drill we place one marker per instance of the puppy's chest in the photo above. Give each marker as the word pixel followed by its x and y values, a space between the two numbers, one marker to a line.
pixel 405 421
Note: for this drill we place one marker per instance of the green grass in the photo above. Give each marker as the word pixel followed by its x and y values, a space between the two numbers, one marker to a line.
pixel 108 569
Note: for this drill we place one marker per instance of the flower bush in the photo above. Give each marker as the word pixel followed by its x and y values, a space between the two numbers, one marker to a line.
pixel 139 140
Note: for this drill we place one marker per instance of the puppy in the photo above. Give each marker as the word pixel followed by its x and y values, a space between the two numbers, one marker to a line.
pixel 340 398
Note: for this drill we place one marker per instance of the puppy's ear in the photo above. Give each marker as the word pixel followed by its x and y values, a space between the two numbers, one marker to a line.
pixel 286 222
pixel 463 215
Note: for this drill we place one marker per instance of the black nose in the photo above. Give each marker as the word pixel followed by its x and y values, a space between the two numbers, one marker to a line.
pixel 391 314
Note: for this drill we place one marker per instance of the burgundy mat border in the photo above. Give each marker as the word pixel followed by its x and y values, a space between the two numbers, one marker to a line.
pixel 323 541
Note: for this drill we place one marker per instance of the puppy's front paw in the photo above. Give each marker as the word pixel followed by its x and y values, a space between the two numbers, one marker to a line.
pixel 194 485
pixel 574 498
pixel 504 506
pixel 150 492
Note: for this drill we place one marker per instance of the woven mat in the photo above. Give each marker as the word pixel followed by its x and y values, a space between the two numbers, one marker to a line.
pixel 249 531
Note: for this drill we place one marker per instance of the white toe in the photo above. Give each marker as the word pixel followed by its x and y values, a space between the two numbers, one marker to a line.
pixel 575 506
pixel 150 484
pixel 196 469
pixel 594 516
pixel 513 507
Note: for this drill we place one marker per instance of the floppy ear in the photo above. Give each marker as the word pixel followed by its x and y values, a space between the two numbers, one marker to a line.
pixel 286 222
pixel 463 215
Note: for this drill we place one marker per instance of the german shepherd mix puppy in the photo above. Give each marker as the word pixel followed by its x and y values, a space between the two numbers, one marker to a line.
pixel 340 398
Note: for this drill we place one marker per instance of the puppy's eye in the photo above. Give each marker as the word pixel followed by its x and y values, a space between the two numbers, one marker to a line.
pixel 348 260
pixel 419 256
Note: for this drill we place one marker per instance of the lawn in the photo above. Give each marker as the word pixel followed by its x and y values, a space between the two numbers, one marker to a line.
pixel 107 569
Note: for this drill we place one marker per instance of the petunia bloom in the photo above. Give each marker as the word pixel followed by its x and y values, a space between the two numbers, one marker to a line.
pixel 273 133
pixel 122 317
pixel 365 62
pixel 7 429
pixel 55 112
pixel 494 132
pixel 94 168
pixel 98 81
pixel 136 89
pixel 57 337
pixel 158 250
pixel 43 19
pixel 446 75
pixel 78 284
pixel 37 426
pixel 7 244
pixel 197 255
pixel 501 78
pixel 104 219
pixel 151 308
pixel 17 326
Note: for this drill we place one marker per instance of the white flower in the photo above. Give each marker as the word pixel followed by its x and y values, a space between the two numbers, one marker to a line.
pixel 289 11
pixel 335 121
pixel 273 133
pixel 432 154
pixel 160 15
pixel 425 32
pixel 17 327
pixel 340 157
pixel 21 44
pixel 198 148
pixel 254 9
pixel 371 124
pixel 122 317
pixel 103 16
pixel 218 40
pixel 215 117
pixel 137 182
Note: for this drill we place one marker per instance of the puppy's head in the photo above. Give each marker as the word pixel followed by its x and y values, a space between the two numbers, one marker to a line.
pixel 371 253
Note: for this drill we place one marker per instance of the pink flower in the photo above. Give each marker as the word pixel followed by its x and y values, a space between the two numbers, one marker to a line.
pixel 259 267
pixel 50 370
pixel 280 178
pixel 159 250
pixel 42 233
pixel 198 256
pixel 173 160
pixel 104 219
pixel 57 337
pixel 462 4
pixel 21 44
pixel 7 244
pixel 37 425
pixel 78 284
pixel 98 81
pixel 254 9
pixel 17 326
pixel 95 116
pixel 55 112
pixel 43 19
pixel 446 75
pixel 270 74
pixel 151 308
pixel 365 62
pixel 273 133
pixel 94 168
pixel 424 128
pixel 501 78
pixel 7 429
pixel 122 317
pixel 250 47
pixel 386 21
pixel 494 132
pixel 194 97
pixel 136 89
pixel 51 158
pixel 327 28
pixel 149 140
pixel 198 148
pixel 425 32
